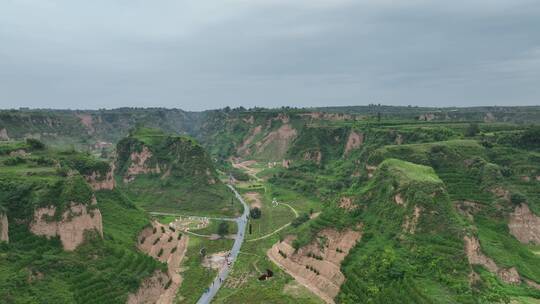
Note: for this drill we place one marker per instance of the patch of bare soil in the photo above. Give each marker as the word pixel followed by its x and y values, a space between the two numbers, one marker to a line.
pixel 354 141
pixel 409 225
pixel 167 246
pixel 254 199
pixel 467 209
pixel 99 182
pixel 243 149
pixel 317 265
pixel 150 289
pixel 86 121
pixel 347 203
pixel 476 257
pixel 399 199
pixel 4 134
pixel 4 228
pixel 281 138
pixel 370 170
pixel 524 225
pixel 216 261
pixel 72 226
pixel 314 156
pixel 138 165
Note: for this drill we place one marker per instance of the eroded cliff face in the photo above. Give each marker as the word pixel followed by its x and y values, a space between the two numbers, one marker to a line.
pixel 524 225
pixel 74 222
pixel 139 164
pixel 4 134
pixel 476 257
pixel 4 228
pixel 354 141
pixel 168 246
pixel 317 265
pixel 150 290
pixel 99 182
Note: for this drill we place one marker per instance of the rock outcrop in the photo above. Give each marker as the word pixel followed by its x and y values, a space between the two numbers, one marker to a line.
pixel 524 225
pixel 4 228
pixel 168 246
pixel 139 164
pixel 4 134
pixel 150 289
pixel 99 182
pixel 71 227
pixel 317 265
pixel 354 141
pixel 476 257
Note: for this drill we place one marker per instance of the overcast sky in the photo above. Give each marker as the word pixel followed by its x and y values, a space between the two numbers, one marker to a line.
pixel 201 54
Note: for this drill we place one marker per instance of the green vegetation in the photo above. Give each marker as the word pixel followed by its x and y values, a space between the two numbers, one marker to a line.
pixel 177 175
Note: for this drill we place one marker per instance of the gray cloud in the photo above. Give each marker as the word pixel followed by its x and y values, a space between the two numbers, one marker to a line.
pixel 206 54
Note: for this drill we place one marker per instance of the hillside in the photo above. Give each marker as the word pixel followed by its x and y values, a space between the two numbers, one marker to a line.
pixel 71 240
pixel 169 173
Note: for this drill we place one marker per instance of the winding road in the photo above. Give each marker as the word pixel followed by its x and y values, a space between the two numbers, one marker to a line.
pixel 207 297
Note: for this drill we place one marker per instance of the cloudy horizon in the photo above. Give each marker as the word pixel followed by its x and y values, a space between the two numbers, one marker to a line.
pixel 198 55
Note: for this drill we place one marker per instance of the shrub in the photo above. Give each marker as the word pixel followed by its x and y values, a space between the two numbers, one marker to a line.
pixel 223 229
pixel 170 239
pixel 300 220
pixel 160 253
pixel 472 130
pixel 143 239
pixel 35 144
pixel 179 236
pixel 255 213
pixel 517 198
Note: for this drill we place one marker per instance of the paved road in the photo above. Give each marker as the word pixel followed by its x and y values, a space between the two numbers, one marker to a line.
pixel 207 297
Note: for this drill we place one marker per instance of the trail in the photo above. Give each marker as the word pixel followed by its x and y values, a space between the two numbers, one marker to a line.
pixel 277 230
pixel 207 297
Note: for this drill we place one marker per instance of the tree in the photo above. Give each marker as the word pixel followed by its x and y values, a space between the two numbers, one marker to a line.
pixel 255 213
pixel 223 229
pixel 472 130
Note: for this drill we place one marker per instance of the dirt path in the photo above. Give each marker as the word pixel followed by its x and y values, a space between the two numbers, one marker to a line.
pixel 279 229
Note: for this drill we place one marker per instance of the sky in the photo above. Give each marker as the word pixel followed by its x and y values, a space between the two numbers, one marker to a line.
pixel 205 54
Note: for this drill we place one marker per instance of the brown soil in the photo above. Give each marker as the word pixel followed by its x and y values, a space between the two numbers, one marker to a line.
pixel 501 193
pixel 476 257
pixel 524 225
pixel 216 261
pixel 150 290
pixel 286 163
pixel 399 199
pixel 172 259
pixel 370 170
pixel 86 121
pixel 427 117
pixel 138 165
pixel 323 255
pixel 282 137
pixel 4 134
pixel 254 199
pixel 409 225
pixel 314 156
pixel 467 208
pixel 99 182
pixel 347 203
pixel 354 141
pixel 71 228
pixel 4 228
